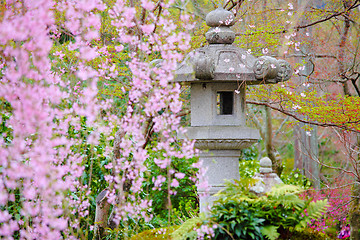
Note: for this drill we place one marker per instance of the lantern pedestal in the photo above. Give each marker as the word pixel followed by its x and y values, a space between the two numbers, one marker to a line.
pixel 222 166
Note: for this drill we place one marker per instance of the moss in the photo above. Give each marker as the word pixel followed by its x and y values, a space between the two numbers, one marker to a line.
pixel 186 230
pixel 306 234
pixel 156 234
pixel 332 231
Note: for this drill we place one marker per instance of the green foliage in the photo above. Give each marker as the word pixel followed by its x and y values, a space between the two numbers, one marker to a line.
pixel 241 214
pixel 184 204
pixel 270 232
pixel 314 211
pixel 130 229
pixel 5 129
pixel 296 178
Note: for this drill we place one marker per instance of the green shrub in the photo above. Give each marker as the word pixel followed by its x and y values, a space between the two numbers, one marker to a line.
pixel 241 214
pixel 183 232
pixel 237 221
pixel 248 164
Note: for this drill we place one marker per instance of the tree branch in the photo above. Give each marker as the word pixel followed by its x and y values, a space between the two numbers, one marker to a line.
pixel 352 6
pixel 302 120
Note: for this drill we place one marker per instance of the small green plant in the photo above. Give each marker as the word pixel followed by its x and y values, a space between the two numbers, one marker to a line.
pixel 155 234
pixel 248 164
pixel 295 177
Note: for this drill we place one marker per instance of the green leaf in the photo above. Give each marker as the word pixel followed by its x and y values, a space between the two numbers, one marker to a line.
pixel 238 232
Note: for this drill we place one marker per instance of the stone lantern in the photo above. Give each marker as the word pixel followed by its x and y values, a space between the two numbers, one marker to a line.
pixel 218 74
pixel 266 178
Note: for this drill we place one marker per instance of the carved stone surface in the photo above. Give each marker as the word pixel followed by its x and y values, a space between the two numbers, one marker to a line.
pixel 222 166
pixel 226 62
pixel 222 133
pixel 284 72
pixel 220 35
pixel 272 70
pixel 204 66
pixel 266 68
pixel 265 165
pixel 229 144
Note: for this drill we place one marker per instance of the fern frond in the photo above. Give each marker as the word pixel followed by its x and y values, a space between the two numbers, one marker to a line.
pixel 270 232
pixel 288 200
pixel 314 211
pixel 283 189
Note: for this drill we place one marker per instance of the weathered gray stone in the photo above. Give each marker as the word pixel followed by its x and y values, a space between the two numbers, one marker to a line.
pixel 220 35
pixel 221 165
pixel 220 17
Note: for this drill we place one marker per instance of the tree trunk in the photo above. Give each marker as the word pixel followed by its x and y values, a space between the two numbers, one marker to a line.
pixel 102 212
pixel 101 215
pixel 307 153
pixel 275 158
pixel 354 216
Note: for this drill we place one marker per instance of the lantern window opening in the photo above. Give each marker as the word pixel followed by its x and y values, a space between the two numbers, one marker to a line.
pixel 225 102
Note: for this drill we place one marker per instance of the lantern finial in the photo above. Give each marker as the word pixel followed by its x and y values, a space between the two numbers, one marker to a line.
pixel 220 21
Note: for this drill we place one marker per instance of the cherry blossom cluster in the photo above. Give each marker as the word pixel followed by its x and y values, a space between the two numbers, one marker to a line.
pixel 40 175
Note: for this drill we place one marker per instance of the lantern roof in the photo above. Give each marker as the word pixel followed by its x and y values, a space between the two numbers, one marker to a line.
pixel 221 61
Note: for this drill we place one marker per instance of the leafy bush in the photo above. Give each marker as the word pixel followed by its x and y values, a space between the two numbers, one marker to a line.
pixel 241 214
pixel 184 200
pixel 237 221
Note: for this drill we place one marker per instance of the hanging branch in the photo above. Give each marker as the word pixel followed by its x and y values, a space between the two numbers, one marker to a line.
pixel 234 4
